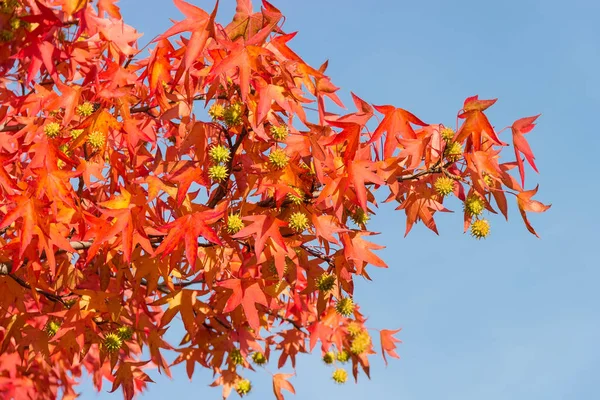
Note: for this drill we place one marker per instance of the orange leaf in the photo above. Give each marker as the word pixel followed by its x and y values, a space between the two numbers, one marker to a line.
pixel 388 343
pixel 280 381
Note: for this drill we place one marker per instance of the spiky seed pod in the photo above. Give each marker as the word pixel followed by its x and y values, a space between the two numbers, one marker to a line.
pixel 480 229
pixel 488 180
pixel 85 110
pixel 453 151
pixel 325 282
pixel 112 342
pixel 96 139
pixel 360 217
pixel 233 115
pixel 217 173
pixel 219 154
pixel 6 35
pixel 343 356
pixel 360 343
pixel 474 205
pixel 125 333
pixel 243 387
pixel 296 199
pixel 280 132
pixel 236 357
pixel 298 221
pixel 345 307
pixel 216 111
pixel 444 185
pixel 278 159
pixel 354 328
pixel 259 358
pixel 340 376
pixel 447 134
pixel 329 357
pixel 234 224
pixel 52 129
pixel 52 328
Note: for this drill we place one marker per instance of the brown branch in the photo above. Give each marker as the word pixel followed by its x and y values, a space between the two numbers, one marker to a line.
pixel 50 296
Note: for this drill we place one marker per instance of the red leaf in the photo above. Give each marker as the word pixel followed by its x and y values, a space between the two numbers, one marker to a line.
pixel 247 294
pixel 396 121
pixel 263 228
pixel 189 228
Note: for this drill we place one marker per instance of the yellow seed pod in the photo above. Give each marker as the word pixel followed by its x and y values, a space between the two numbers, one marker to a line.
pixel 345 307
pixel 480 229
pixel 325 282
pixel 217 173
pixel 234 224
pixel 96 139
pixel 298 221
pixel 453 151
pixel 340 376
pixel 447 134
pixel 329 357
pixel 278 159
pixel 112 342
pixel 474 205
pixel 243 387
pixel 52 129
pixel 444 185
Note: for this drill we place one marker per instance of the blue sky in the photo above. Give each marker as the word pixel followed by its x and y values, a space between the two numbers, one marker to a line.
pixel 512 317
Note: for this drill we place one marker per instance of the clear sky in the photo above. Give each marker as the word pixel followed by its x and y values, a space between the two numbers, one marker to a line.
pixel 513 317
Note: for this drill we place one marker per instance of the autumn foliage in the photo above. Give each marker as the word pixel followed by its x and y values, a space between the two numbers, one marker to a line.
pixel 203 179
